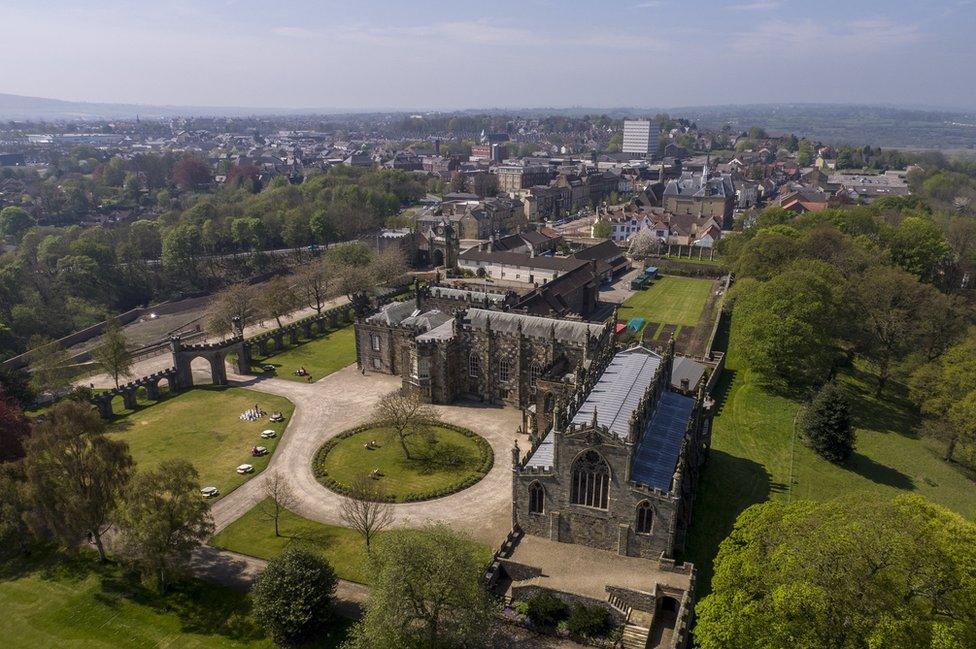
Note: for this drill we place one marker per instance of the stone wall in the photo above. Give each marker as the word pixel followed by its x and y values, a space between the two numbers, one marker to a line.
pixel 612 529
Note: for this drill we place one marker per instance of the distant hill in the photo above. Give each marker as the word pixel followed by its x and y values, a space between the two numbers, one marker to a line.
pixel 914 127
pixel 19 107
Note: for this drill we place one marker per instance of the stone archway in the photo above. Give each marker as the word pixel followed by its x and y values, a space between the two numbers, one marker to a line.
pixel 437 258
pixel 213 353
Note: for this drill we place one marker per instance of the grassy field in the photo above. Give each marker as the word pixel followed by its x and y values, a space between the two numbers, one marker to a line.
pixel 669 300
pixel 203 426
pixel 78 603
pixel 349 460
pixel 320 356
pixel 755 458
pixel 344 548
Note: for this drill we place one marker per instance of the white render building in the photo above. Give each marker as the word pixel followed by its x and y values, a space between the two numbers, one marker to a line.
pixel 641 137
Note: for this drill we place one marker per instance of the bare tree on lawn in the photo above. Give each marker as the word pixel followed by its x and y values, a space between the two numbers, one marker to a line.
pixel 364 509
pixel 406 415
pixel 111 353
pixel 278 498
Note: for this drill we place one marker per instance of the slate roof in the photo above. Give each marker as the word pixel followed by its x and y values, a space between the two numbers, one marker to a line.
pixel 657 454
pixel 471 296
pixel 535 326
pixel 543 455
pixel 619 390
pixel 393 313
pixel 686 368
pixel 524 261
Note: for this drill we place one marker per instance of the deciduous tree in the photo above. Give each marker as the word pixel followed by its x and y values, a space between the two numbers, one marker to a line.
pixel 406 415
pixel 14 428
pixel 278 498
pixel 162 519
pixel 278 299
pixel 787 327
pixel 75 472
pixel 312 282
pixel 427 591
pixel 50 365
pixel 236 303
pixel 111 353
pixel 855 572
pixel 365 509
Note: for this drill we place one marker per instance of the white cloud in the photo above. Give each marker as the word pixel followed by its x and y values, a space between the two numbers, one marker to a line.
pixel 759 5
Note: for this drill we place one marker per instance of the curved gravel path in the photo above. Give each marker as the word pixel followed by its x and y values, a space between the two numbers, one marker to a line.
pixel 346 399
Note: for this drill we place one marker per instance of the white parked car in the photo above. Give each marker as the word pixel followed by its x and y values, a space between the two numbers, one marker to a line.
pixel 268 434
pixel 210 492
pixel 245 468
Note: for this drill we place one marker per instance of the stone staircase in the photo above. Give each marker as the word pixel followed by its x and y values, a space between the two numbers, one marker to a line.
pixel 634 637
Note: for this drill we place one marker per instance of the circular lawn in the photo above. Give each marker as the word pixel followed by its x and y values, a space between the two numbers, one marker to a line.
pixel 442 461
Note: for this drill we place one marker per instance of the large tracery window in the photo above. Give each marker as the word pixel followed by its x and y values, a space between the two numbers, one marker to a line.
pixel 644 517
pixel 591 481
pixel 537 498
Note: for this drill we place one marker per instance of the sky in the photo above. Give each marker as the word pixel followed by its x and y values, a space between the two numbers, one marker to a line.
pixel 433 55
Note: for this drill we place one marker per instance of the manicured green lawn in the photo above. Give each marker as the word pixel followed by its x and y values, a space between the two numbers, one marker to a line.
pixel 320 356
pixel 753 450
pixel 348 460
pixel 344 548
pixel 203 425
pixel 669 300
pixel 50 601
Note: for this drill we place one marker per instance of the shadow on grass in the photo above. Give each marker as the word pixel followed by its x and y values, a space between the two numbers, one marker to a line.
pixel 728 486
pixel 892 412
pixel 723 388
pixel 879 473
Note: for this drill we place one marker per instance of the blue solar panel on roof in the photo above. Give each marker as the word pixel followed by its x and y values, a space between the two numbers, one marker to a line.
pixel 657 454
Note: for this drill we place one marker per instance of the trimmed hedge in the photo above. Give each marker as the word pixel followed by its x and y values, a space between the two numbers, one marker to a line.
pixel 484 448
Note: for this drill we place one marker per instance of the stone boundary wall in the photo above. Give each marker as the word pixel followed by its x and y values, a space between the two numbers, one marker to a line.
pixel 163 308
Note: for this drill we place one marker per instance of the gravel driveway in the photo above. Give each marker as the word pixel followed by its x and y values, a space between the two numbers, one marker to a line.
pixel 346 399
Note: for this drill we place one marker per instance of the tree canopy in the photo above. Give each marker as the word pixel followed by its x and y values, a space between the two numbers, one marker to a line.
pixel 851 573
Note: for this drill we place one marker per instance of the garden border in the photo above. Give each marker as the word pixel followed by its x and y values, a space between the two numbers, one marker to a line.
pixel 487 462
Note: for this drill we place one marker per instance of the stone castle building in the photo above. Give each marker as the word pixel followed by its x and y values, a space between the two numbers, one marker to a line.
pixel 450 344
pixel 619 466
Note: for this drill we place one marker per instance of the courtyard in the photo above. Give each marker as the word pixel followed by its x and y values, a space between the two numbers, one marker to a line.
pixel 204 426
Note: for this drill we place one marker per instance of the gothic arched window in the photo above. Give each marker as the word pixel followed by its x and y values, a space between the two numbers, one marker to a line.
pixel 474 365
pixel 535 372
pixel 504 369
pixel 537 498
pixel 644 517
pixel 591 481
